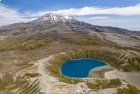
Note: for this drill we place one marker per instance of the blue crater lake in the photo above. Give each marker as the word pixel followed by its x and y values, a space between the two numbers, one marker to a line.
pixel 80 68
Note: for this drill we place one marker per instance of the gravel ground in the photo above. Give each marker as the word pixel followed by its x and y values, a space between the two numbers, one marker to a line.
pixel 131 77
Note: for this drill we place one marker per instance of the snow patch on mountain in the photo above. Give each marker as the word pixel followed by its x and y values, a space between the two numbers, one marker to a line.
pixel 50 17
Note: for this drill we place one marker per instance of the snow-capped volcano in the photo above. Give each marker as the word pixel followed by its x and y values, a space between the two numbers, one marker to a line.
pixel 51 17
pixel 59 25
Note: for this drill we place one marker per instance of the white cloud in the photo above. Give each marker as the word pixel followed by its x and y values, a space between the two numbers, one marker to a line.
pixel 126 11
pixel 9 16
pixel 100 18
pixel 131 23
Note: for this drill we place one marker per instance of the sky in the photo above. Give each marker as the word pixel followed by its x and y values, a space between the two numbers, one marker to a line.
pixel 118 13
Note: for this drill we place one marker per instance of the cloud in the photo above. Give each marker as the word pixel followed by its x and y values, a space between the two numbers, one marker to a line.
pixel 125 11
pixel 99 18
pixel 131 22
pixel 9 16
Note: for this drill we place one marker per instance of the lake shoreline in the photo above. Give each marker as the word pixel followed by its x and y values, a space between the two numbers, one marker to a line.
pixel 99 72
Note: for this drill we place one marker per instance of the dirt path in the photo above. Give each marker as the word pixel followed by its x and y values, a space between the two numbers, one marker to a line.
pixel 44 80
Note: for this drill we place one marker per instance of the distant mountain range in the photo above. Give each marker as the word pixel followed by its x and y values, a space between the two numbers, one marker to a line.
pixel 64 26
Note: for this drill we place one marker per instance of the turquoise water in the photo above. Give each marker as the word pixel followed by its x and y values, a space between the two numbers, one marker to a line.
pixel 80 68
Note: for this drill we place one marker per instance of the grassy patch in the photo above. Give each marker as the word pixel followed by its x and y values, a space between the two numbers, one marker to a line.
pixel 130 90
pixel 20 85
pixel 31 74
pixel 91 41
pixel 132 64
pixel 1 65
pixel 102 84
pixel 24 43
pixel 95 41
pixel 135 48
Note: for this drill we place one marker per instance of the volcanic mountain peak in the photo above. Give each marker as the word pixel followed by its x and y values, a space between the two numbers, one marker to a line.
pixel 51 17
